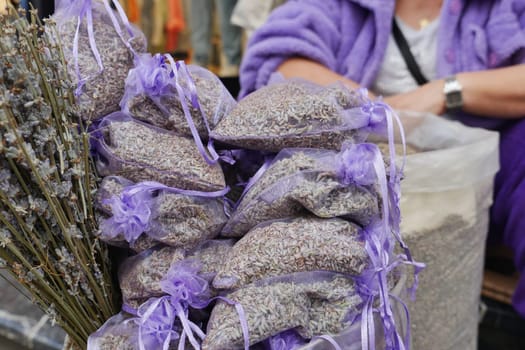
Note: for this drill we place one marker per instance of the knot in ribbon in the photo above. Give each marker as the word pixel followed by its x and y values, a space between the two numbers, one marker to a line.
pixel 131 216
pixel 151 76
pixel 355 164
pixel 377 117
pixel 185 286
pixel 155 320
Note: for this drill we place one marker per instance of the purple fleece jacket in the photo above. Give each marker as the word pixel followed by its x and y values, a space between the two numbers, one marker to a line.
pixel 350 38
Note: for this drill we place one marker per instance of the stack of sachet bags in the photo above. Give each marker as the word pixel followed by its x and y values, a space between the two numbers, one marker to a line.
pixel 303 250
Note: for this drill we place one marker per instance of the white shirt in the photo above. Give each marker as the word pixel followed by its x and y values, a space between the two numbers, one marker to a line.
pixel 394 76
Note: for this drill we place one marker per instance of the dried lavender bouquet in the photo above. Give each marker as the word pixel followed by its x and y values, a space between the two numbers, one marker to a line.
pixel 47 182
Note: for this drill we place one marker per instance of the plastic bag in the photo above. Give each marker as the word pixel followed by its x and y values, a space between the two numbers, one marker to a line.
pixel 325 183
pixel 175 218
pixel 154 89
pixel 293 245
pixel 140 275
pixel 99 46
pixel 447 193
pixel 277 304
pixel 141 152
pixel 296 113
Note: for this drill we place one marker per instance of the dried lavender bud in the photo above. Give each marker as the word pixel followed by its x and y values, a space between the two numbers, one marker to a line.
pixel 287 246
pixel 301 181
pixel 333 303
pixel 140 275
pixel 269 310
pixel 121 341
pixel 214 100
pixel 211 254
pixel 329 317
pixel 47 198
pixel 328 286
pixel 109 187
pixel 141 152
pixel 184 221
pixel 290 114
pixel 144 242
pixel 102 91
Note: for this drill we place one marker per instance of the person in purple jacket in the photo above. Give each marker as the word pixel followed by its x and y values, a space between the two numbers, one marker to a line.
pixel 472 52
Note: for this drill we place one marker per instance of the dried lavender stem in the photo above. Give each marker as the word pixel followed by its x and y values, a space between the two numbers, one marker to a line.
pixel 60 215
pixel 29 245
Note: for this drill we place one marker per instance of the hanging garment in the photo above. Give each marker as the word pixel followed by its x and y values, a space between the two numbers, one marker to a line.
pixel 133 11
pixel 174 25
pixel 159 15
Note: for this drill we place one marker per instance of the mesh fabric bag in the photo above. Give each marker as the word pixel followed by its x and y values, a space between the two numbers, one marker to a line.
pixel 142 152
pixel 322 182
pixel 99 45
pixel 296 113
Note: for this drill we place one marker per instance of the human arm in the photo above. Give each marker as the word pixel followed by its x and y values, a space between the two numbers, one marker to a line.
pixel 492 93
pixel 298 67
pixel 309 29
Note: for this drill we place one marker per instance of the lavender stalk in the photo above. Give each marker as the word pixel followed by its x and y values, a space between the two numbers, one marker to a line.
pixel 47 183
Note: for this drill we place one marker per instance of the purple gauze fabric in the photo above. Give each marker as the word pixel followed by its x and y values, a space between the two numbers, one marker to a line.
pixel 132 210
pixel 350 38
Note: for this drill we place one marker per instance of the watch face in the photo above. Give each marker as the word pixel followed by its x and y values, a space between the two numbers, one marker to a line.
pixel 452 91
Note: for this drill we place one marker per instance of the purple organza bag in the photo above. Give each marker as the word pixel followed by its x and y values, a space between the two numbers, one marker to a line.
pixel 309 302
pixel 165 215
pixel 140 276
pixel 293 245
pixel 118 332
pixel 323 182
pixel 152 327
pixel 155 88
pixel 99 45
pixel 298 113
pixel 142 152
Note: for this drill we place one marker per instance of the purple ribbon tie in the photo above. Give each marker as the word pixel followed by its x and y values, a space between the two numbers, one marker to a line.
pixel 155 320
pixel 355 164
pixel 131 217
pixel 132 212
pixel 186 288
pixel 87 12
pixel 180 70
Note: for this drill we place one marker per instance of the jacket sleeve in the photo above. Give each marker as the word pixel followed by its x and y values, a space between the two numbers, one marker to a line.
pixel 506 33
pixel 308 28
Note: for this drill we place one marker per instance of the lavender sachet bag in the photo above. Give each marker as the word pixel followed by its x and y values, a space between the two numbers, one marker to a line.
pixel 312 303
pixel 140 276
pixel 160 322
pixel 99 45
pixel 161 92
pixel 141 152
pixel 291 245
pixel 163 214
pixel 322 182
pixel 297 113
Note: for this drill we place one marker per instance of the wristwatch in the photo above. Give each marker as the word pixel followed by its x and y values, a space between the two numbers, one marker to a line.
pixel 453 96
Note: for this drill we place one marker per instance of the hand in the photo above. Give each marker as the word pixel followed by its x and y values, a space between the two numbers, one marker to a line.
pixel 426 98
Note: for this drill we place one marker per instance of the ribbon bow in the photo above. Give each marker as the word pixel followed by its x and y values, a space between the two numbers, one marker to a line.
pixel 186 288
pixel 132 212
pixel 155 320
